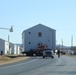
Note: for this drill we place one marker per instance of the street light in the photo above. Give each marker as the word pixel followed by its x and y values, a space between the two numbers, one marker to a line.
pixel 11 29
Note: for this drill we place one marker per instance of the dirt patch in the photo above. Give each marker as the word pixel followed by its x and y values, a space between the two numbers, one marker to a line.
pixel 8 60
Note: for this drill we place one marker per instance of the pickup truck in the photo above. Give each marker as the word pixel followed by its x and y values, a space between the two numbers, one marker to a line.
pixel 48 53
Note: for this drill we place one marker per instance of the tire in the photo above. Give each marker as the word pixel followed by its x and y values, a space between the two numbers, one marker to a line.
pixel 52 57
pixel 43 57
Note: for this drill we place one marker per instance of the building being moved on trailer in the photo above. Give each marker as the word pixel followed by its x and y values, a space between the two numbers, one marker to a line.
pixel 38 37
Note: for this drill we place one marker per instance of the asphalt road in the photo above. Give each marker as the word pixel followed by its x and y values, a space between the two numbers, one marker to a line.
pixel 38 66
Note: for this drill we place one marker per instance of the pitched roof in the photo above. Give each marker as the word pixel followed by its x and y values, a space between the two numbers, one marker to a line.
pixel 38 25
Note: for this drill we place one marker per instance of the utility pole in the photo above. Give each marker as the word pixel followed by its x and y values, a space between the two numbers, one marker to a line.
pixel 71 48
pixel 71 40
pixel 9 44
pixel 8 38
pixel 62 43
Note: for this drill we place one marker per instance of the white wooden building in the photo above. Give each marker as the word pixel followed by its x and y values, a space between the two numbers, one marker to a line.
pixel 38 34
pixel 4 46
pixel 9 48
pixel 17 49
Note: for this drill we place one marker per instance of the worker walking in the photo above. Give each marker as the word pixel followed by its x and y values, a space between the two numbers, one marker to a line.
pixel 58 52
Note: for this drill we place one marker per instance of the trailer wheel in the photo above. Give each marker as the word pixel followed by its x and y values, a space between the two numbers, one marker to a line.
pixel 43 57
pixel 52 57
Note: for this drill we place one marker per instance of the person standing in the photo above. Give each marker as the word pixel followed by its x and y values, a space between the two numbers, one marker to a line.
pixel 1 53
pixel 58 52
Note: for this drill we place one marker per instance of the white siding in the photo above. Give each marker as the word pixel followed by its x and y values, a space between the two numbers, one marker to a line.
pixel 18 50
pixel 7 51
pixel 2 45
pixel 48 37
pixel 15 49
pixel 11 48
pixel 23 39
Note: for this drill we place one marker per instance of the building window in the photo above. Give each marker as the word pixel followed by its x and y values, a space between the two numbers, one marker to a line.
pixel 29 32
pixel 29 42
pixel 38 44
pixel 39 34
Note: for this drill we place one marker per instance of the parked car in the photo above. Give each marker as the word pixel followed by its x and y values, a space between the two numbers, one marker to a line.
pixel 48 53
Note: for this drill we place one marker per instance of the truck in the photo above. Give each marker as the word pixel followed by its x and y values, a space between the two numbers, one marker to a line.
pixel 37 52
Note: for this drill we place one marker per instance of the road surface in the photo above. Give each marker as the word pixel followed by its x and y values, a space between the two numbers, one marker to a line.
pixel 39 66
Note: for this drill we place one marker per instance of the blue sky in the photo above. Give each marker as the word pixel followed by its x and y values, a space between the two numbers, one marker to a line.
pixel 23 14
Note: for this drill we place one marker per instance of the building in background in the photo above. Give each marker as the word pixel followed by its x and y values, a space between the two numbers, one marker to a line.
pixel 9 48
pixel 38 35
pixel 4 46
